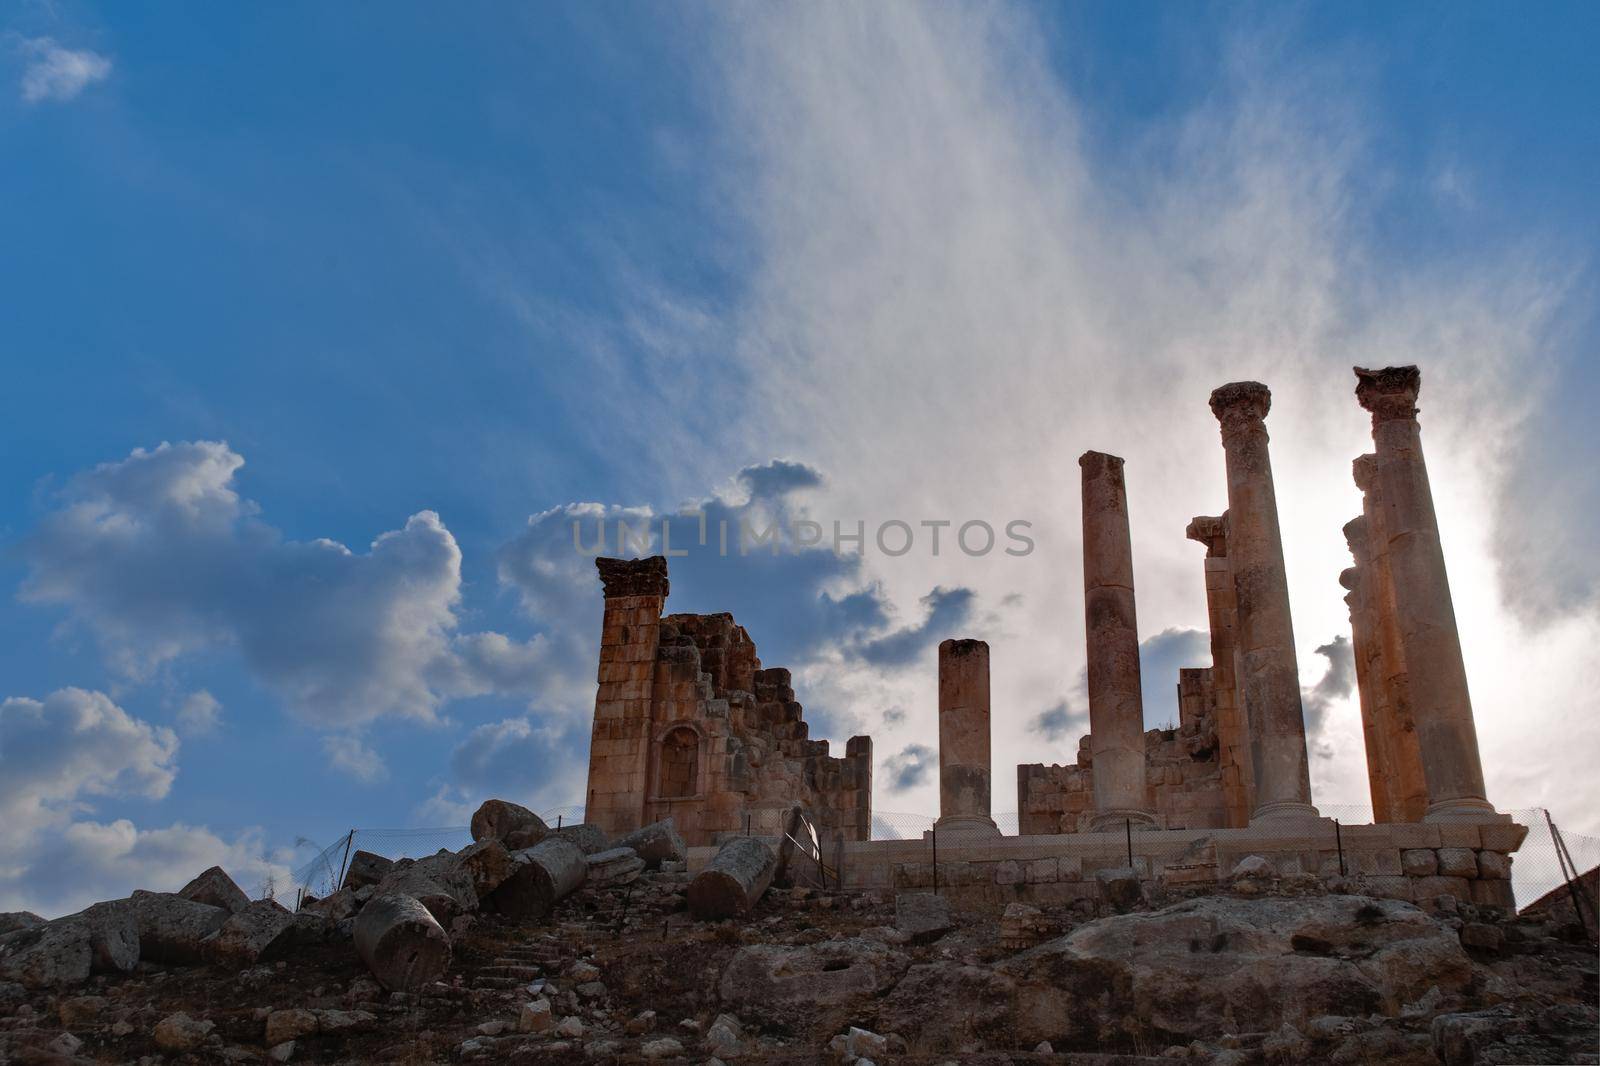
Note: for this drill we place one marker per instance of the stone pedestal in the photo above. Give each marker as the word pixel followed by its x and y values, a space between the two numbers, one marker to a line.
pixel 1423 612
pixel 1116 703
pixel 964 738
pixel 1269 675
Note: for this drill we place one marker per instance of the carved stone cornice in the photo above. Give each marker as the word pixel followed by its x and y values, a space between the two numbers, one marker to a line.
pixel 1212 531
pixel 633 577
pixel 1240 405
pixel 1390 393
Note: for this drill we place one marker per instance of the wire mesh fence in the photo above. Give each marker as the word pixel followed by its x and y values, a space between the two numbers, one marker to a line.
pixel 1537 867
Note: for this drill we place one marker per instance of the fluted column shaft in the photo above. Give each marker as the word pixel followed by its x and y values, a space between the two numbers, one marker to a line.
pixel 1269 674
pixel 964 737
pixel 1436 672
pixel 1116 703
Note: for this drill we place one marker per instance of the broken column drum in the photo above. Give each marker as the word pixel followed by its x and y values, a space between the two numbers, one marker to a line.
pixel 1268 672
pixel 734 881
pixel 401 943
pixel 964 738
pixel 1116 703
pixel 1424 615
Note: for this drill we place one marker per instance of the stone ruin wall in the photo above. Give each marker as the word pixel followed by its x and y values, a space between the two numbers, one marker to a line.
pixel 689 725
pixel 1183 775
pixel 1410 861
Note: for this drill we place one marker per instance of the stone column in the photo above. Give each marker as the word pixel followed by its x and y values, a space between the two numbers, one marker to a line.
pixel 1364 646
pixel 1407 785
pixel 1233 736
pixel 964 738
pixel 1436 674
pixel 1268 673
pixel 620 741
pixel 1116 704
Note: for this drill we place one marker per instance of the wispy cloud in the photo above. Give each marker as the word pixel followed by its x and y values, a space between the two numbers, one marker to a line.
pixel 57 73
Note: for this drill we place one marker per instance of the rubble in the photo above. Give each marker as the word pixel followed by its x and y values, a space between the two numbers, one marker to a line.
pixel 614 970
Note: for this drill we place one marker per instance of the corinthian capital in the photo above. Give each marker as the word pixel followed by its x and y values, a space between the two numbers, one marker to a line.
pixel 1240 404
pixel 1212 531
pixel 1389 393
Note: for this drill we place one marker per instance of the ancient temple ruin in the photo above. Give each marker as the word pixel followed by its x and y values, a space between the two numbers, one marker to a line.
pixel 1238 754
pixel 688 725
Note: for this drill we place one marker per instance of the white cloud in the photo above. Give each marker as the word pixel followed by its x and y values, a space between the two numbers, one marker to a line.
pixel 159 556
pixel 57 73
pixel 60 755
pixel 73 744
pixel 350 755
pixel 955 293
pixel 198 714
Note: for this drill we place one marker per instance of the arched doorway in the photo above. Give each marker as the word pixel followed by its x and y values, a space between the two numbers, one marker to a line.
pixel 680 763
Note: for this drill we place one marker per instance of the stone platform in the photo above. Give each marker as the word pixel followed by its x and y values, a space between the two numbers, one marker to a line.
pixel 1410 861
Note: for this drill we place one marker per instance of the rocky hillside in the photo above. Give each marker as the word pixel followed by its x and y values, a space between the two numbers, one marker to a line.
pixel 620 970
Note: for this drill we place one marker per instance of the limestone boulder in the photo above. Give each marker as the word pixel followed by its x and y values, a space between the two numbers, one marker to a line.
pixel 215 887
pixel 366 868
pixel 656 843
pixel 1120 887
pixel 439 882
pixel 172 929
pixel 263 928
pixel 1213 965
pixel 179 1032
pixel 66 951
pixel 488 864
pixel 512 824
pixel 613 867
pixel 922 916
pixel 947 1008
pixel 776 980
pixel 585 836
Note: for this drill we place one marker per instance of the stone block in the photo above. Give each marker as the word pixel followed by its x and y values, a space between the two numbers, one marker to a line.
pixel 1452 835
pixel 1458 862
pixel 1413 834
pixel 1419 862
pixel 1390 887
pixel 1505 837
pixel 913 875
pixel 1424 889
pixel 1494 866
pixel 1069 868
pixel 1008 872
pixel 1493 893
pixel 1040 871
pixel 1388 862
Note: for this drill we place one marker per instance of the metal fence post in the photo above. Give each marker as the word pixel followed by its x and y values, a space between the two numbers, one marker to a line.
pixel 1127 826
pixel 349 837
pixel 934 835
pixel 1338 842
pixel 1572 879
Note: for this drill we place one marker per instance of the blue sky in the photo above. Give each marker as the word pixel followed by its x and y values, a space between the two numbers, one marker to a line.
pixel 481 266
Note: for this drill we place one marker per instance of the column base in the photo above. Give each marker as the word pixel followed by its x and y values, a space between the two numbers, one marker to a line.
pixel 966 826
pixel 1284 811
pixel 1466 809
pixel 1116 821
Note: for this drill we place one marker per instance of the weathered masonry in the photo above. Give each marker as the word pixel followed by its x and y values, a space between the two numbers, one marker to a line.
pixel 1238 755
pixel 687 724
